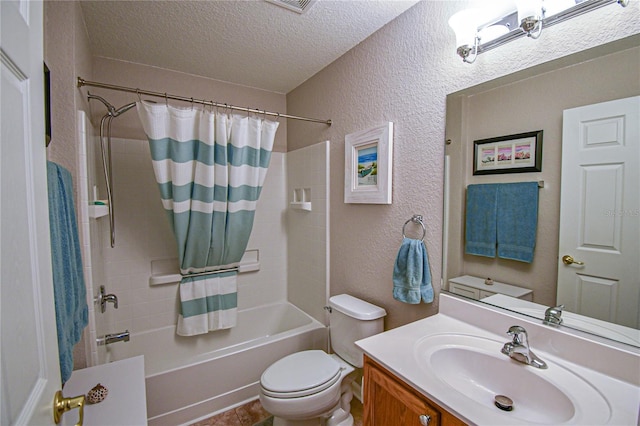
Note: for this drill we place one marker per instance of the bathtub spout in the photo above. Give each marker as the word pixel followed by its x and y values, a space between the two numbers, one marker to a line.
pixel 113 338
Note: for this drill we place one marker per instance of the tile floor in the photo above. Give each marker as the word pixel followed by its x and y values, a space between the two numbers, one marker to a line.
pixel 252 414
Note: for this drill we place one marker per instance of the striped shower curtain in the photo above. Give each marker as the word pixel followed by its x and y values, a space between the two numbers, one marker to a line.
pixel 210 168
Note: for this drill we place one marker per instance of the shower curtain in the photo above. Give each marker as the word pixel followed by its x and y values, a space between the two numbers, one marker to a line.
pixel 210 168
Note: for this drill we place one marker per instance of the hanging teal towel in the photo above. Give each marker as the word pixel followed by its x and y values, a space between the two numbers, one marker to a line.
pixel 70 294
pixel 517 220
pixel 411 274
pixel 480 220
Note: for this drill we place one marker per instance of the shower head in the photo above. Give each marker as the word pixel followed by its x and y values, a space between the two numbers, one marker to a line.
pixel 123 109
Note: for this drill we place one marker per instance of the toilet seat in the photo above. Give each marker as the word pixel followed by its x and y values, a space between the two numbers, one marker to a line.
pixel 300 374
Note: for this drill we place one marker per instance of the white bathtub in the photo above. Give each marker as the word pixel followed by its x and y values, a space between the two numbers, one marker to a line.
pixel 191 377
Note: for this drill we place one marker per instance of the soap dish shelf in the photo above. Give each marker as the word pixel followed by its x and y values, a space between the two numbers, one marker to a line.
pixel 98 210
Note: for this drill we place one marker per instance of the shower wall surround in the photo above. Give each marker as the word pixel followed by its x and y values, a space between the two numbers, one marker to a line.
pixel 89 230
pixel 308 231
pixel 293 244
pixel 143 235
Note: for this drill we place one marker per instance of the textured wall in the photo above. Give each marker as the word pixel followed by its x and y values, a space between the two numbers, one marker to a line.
pixel 403 73
pixel 66 53
pixel 161 80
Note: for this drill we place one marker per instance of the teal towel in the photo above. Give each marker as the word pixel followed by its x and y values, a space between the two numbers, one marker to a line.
pixel 70 294
pixel 480 220
pixel 517 220
pixel 411 274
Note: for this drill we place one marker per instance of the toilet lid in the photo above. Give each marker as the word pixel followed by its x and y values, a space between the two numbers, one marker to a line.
pixel 301 373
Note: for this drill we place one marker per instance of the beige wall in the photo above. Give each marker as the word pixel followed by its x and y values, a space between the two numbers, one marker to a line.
pixel 161 80
pixel 66 53
pixel 402 73
pixel 535 103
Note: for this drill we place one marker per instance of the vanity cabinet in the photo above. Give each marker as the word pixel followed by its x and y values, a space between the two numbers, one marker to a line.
pixel 388 401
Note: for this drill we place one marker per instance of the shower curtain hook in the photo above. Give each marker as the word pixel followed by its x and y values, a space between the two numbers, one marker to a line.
pixel 278 118
pixel 138 93
pixel 191 104
pixel 166 99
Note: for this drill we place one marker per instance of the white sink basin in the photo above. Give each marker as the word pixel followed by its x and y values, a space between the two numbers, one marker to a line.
pixel 475 369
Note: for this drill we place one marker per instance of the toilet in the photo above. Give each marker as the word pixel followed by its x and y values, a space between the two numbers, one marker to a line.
pixel 312 388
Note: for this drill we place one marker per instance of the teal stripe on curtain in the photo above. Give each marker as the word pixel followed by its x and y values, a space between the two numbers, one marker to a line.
pixel 194 191
pixel 207 304
pixel 182 152
pixel 214 251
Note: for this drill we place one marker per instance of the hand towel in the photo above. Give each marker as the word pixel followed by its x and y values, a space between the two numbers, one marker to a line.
pixel 517 220
pixel 70 294
pixel 411 274
pixel 480 220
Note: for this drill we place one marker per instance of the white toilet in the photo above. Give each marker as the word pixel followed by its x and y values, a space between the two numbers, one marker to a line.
pixel 312 387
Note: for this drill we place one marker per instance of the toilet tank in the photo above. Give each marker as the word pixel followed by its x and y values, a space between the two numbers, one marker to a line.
pixel 352 319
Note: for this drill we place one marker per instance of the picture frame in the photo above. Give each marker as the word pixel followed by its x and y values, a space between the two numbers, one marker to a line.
pixel 519 153
pixel 47 105
pixel 368 165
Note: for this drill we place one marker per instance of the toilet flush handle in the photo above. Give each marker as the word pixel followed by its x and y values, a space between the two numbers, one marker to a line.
pixel 424 419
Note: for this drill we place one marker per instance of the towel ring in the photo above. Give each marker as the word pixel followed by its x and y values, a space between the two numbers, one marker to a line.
pixel 417 218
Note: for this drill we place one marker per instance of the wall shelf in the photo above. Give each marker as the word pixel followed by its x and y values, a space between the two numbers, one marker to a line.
pixel 163 271
pixel 98 210
pixel 300 205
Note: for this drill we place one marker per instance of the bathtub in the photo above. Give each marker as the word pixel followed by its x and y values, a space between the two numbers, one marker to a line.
pixel 192 377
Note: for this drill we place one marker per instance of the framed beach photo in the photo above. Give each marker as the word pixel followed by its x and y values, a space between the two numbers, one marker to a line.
pixel 368 165
pixel 508 154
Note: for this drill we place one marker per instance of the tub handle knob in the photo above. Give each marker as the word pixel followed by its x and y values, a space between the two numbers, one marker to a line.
pixel 102 299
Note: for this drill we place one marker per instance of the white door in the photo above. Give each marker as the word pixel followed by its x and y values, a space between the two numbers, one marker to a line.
pixel 600 211
pixel 30 372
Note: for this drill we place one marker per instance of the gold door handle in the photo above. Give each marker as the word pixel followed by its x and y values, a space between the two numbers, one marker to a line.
pixel 62 405
pixel 569 260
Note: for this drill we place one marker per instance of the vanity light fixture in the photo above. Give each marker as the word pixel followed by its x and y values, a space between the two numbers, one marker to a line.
pixel 476 32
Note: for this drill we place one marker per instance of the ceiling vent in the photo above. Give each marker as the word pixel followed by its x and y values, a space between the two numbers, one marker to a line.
pixel 299 6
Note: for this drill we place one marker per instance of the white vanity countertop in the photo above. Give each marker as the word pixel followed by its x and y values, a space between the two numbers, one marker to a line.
pixel 612 372
pixel 126 402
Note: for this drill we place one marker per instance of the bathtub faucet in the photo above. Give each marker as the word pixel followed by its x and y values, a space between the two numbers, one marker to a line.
pixel 113 338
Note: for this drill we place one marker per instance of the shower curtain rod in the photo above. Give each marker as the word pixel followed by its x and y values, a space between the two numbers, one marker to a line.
pixel 83 82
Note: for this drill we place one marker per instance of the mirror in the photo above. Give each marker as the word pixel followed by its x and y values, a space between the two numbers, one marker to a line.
pixel 528 101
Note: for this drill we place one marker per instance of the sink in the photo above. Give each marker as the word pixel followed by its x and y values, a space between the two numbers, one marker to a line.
pixel 475 372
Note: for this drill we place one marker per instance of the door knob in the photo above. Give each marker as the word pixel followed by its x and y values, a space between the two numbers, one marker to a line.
pixel 569 260
pixel 61 405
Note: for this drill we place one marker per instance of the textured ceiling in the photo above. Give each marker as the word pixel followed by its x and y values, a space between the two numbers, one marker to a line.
pixel 248 42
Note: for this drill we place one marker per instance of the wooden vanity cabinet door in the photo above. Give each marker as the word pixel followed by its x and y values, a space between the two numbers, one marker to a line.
pixel 389 401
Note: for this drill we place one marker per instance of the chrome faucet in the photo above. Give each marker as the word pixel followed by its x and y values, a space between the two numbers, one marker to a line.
pixel 113 338
pixel 553 315
pixel 519 350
